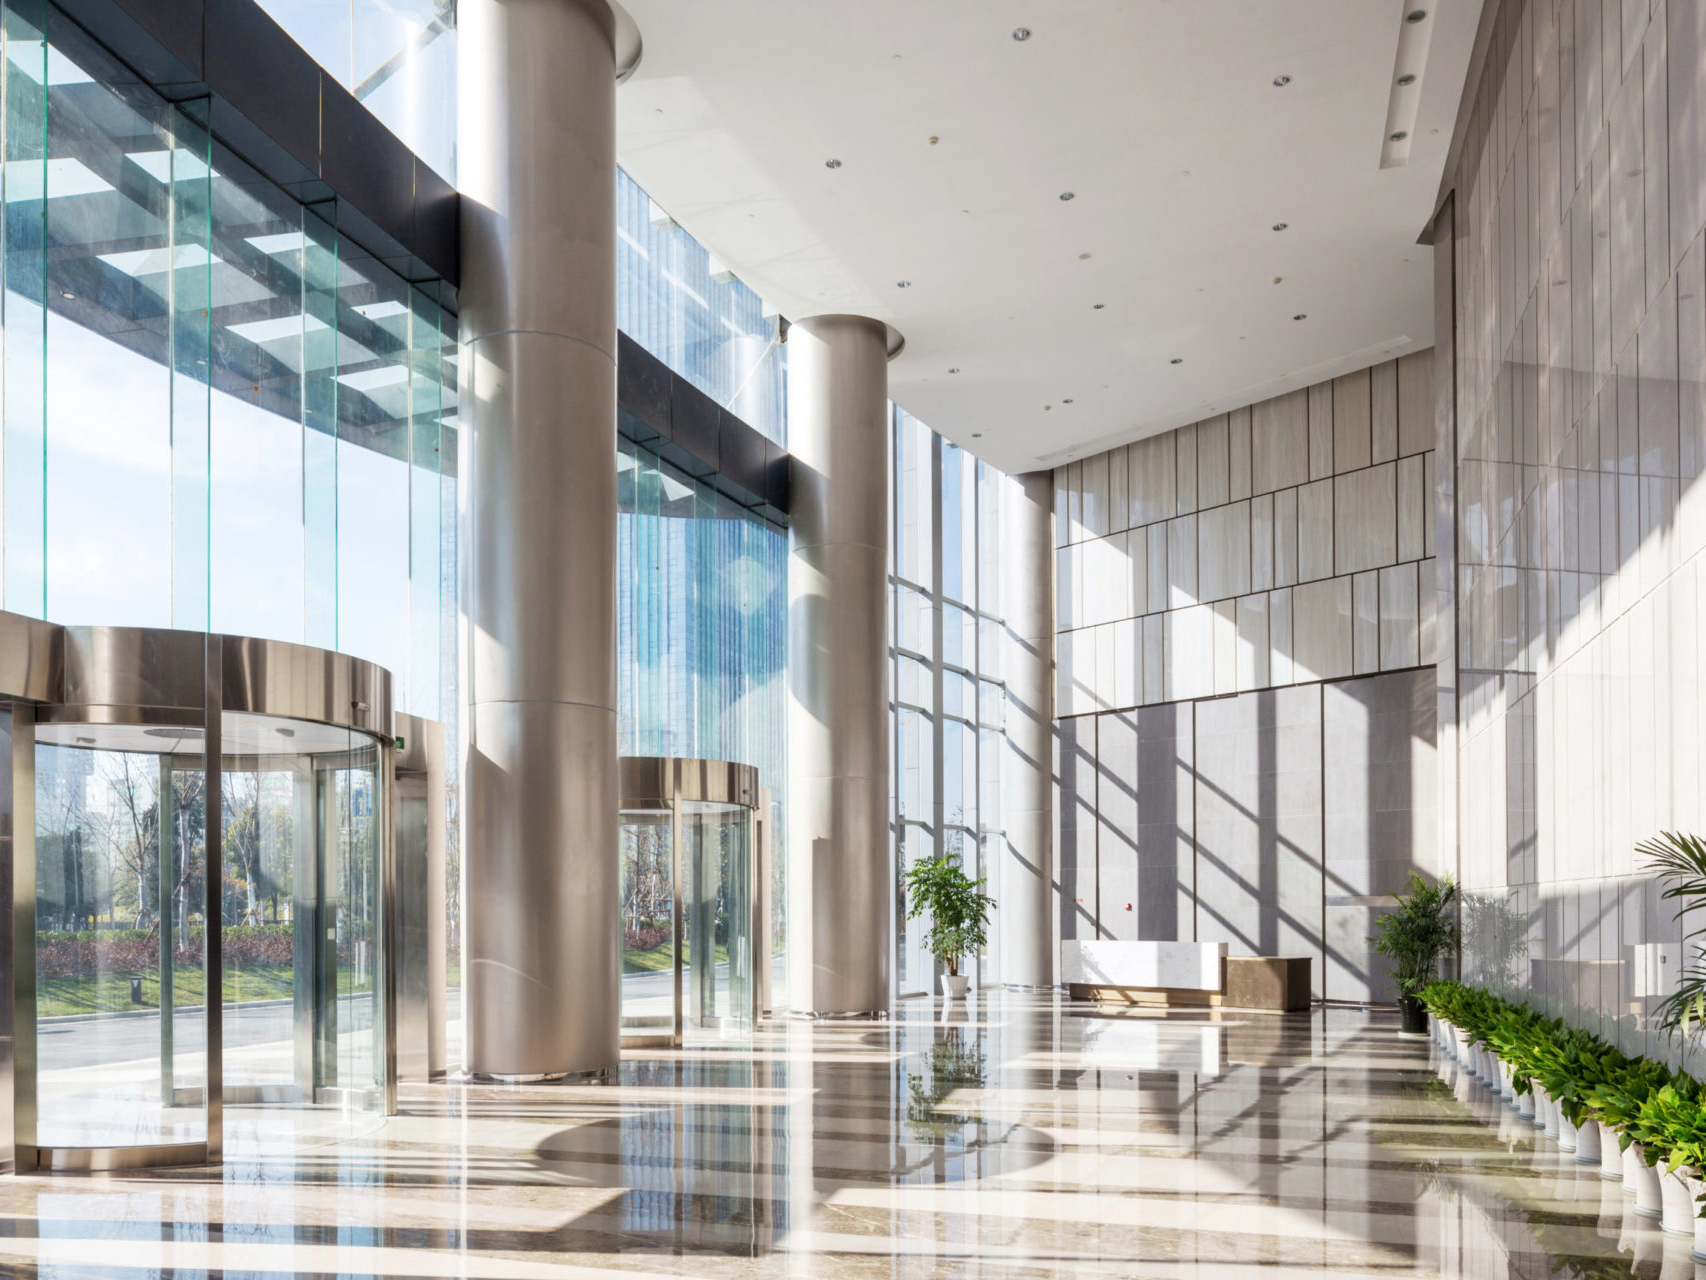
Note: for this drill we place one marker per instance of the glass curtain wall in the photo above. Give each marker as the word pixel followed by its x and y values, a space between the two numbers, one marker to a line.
pixel 681 304
pixel 398 57
pixel 949 694
pixel 701 638
pixel 219 415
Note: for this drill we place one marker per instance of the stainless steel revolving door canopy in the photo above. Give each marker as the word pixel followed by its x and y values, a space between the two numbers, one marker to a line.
pixel 202 894
pixel 693 912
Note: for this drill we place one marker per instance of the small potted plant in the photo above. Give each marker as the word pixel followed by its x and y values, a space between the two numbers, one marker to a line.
pixel 959 915
pixel 1414 936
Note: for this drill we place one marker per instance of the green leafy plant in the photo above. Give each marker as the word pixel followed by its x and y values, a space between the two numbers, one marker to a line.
pixel 1418 932
pixel 1681 859
pixel 957 906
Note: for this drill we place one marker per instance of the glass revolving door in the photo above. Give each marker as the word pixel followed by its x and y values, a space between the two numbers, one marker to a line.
pixel 203 895
pixel 692 899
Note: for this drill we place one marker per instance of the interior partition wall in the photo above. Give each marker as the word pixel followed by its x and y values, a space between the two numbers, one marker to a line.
pixel 1245 643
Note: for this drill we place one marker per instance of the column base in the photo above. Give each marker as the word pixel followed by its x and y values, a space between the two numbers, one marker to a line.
pixel 597 1075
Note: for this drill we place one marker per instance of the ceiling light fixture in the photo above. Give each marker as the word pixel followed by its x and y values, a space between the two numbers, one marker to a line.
pixel 1280 81
pixel 1068 400
pixel 1301 315
pixel 1406 80
pixel 1098 306
pixel 1415 15
pixel 66 293
pixel 1400 136
pixel 903 284
pixel 1177 360
pixel 955 369
pixel 1067 195
pixel 1021 34
pixel 1281 226
pixel 1083 257
pixel 977 435
pixel 832 164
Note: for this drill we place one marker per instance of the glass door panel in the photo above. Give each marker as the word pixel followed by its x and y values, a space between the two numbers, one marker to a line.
pixel 120 849
pixel 301 910
pixel 717 895
pixel 648 921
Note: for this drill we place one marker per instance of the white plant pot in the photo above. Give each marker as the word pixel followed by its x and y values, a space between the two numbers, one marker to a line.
pixel 1525 1106
pixel 1507 1088
pixel 1460 1045
pixel 1554 1121
pixel 1605 1152
pixel 954 985
pixel 1695 1188
pixel 1644 1179
pixel 1677 1198
pixel 1569 1137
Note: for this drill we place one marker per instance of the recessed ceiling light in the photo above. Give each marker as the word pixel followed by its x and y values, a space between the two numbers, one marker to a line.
pixel 935 138
pixel 977 435
pixel 1281 226
pixel 1068 400
pixel 1399 136
pixel 1415 15
pixel 1067 195
pixel 1301 316
pixel 1177 360
pixel 1281 81
pixel 832 164
pixel 1021 34
pixel 1083 257
pixel 955 369
pixel 1406 79
pixel 1098 306
pixel 1277 279
pixel 903 284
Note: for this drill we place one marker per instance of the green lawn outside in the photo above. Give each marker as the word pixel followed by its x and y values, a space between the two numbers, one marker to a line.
pixel 110 992
pixel 657 959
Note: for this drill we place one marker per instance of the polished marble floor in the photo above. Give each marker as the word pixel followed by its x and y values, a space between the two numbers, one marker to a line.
pixel 1023 1136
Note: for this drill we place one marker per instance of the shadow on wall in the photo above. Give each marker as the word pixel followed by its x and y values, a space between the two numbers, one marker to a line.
pixel 1279 821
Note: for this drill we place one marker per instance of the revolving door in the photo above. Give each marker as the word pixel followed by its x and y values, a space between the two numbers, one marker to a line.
pixel 692 910
pixel 202 896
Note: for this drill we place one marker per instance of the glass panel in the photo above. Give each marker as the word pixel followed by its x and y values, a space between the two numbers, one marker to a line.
pixel 121 1049
pixel 687 309
pixel 648 921
pixel 373 395
pixel 300 925
pixel 915 968
pixel 717 934
pixel 113 278
pixel 25 317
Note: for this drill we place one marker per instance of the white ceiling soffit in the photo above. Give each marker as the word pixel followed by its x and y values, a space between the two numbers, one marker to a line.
pixel 956 142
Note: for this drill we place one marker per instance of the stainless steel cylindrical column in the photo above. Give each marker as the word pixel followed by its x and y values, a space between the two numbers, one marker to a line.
pixel 838 725
pixel 537 160
pixel 1025 917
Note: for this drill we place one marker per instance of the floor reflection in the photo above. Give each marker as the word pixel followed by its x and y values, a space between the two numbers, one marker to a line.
pixel 1012 1136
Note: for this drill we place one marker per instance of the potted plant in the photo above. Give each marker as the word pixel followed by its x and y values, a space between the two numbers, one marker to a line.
pixel 1414 936
pixel 959 915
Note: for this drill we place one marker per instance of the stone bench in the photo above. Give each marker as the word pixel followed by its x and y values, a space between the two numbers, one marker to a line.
pixel 1184 974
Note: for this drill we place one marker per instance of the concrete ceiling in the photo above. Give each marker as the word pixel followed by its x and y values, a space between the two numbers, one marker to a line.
pixel 956 141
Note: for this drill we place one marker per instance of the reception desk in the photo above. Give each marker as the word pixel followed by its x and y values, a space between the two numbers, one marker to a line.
pixel 1184 974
